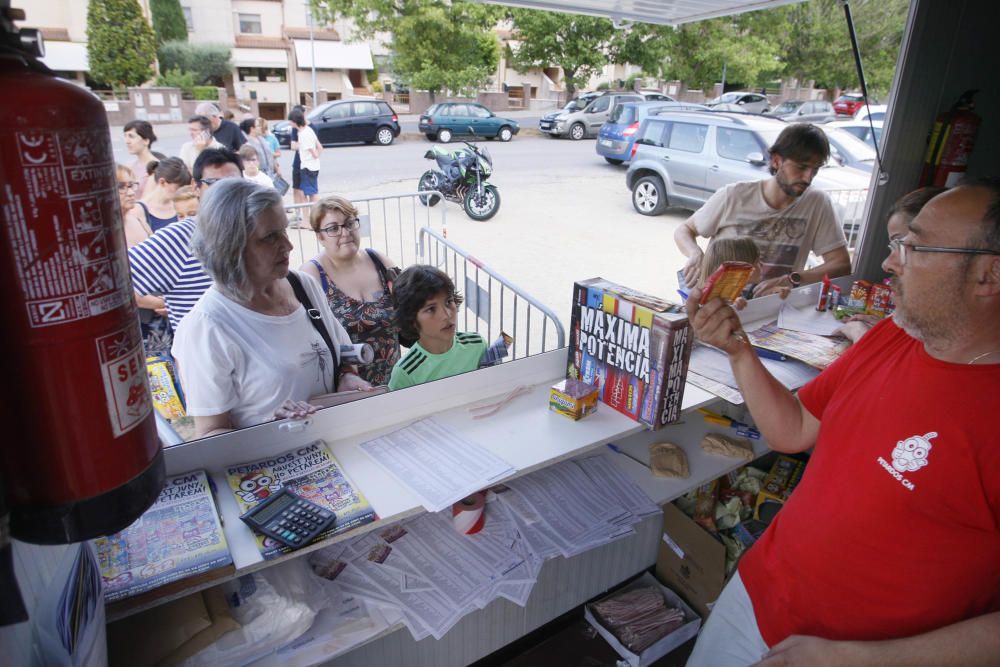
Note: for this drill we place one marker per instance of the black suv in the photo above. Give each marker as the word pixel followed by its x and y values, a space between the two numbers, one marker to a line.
pixel 346 121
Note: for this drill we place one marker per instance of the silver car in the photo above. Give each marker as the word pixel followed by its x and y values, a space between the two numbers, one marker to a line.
pixel 587 122
pixel 680 158
pixel 805 111
pixel 748 102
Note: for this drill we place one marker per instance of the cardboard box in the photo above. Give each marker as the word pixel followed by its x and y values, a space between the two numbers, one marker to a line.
pixel 665 645
pixel 691 561
pixel 633 346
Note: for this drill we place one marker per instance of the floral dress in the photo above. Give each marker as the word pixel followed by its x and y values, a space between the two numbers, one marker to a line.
pixel 371 322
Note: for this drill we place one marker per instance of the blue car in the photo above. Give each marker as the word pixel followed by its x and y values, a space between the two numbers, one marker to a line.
pixel 615 139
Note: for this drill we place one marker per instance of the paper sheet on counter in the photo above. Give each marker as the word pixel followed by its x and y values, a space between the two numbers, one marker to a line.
pixel 807 320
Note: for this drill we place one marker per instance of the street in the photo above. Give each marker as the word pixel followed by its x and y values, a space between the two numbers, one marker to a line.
pixel 565 213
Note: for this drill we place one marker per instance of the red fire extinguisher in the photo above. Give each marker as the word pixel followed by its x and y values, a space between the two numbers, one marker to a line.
pixel 951 142
pixel 80 456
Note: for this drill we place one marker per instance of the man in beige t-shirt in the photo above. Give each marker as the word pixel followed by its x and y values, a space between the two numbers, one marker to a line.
pixel 782 214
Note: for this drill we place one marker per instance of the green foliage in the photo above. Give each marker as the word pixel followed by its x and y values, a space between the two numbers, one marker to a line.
pixel 168 20
pixel 604 85
pixel 630 81
pixel 581 45
pixel 377 86
pixel 644 44
pixel 175 78
pixel 121 46
pixel 372 75
pixel 437 45
pixel 207 62
pixel 210 93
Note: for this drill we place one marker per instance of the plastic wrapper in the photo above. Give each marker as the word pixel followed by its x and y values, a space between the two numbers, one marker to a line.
pixel 723 445
pixel 704 506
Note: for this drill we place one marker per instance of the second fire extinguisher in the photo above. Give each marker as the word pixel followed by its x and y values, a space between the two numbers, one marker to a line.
pixel 951 142
pixel 80 455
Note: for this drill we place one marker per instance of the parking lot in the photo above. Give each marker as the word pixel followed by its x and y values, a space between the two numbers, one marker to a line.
pixel 565 213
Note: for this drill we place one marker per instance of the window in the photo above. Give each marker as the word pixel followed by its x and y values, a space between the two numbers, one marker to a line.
pixel 365 109
pixel 688 137
pixel 735 144
pixel 600 104
pixel 337 111
pixel 652 133
pixel 253 74
pixel 250 24
pixel 188 21
pixel 456 111
pixel 478 111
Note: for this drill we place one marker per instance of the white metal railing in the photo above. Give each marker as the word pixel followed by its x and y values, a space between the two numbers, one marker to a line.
pixel 850 205
pixel 493 304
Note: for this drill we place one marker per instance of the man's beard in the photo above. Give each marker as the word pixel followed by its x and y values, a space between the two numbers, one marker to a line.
pixel 788 187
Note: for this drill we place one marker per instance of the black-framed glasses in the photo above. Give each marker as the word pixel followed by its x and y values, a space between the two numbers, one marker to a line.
pixel 897 245
pixel 128 185
pixel 334 228
pixel 209 181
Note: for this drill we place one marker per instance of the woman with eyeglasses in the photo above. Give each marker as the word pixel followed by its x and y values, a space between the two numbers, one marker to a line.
pixel 357 283
pixel 152 309
pixel 261 343
pixel 156 208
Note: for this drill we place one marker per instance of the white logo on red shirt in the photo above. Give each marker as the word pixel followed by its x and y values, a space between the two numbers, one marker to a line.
pixel 910 455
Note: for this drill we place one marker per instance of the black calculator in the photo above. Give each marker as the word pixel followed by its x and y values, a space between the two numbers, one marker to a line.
pixel 289 518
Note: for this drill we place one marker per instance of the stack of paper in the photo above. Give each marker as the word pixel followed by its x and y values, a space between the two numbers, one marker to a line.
pixel 436 463
pixel 709 369
pixel 428 575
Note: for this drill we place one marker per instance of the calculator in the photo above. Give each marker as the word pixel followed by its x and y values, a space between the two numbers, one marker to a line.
pixel 289 518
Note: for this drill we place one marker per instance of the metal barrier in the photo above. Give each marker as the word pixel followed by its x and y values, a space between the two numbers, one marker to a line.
pixel 390 224
pixel 494 304
pixel 850 205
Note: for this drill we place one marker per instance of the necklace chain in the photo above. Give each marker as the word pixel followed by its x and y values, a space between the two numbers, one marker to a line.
pixel 978 357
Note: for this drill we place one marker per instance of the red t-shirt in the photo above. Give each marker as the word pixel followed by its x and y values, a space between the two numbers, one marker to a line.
pixel 894 529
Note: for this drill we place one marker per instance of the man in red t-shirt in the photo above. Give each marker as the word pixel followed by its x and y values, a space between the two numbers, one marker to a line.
pixel 888 552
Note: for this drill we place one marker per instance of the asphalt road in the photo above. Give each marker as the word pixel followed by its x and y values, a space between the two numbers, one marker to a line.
pixel 565 213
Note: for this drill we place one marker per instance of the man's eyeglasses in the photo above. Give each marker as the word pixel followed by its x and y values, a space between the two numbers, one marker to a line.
pixel 897 245
pixel 209 181
pixel 334 229
pixel 129 185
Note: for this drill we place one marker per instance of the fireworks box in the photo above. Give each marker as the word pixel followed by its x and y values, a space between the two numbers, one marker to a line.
pixel 633 346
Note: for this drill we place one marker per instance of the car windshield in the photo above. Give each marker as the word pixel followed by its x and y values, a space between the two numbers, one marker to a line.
pixel 623 114
pixel 787 107
pixel 318 112
pixel 851 144
pixel 573 105
pixel 727 98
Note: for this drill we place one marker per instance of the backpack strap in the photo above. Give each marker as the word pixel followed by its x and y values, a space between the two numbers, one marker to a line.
pixel 387 275
pixel 316 318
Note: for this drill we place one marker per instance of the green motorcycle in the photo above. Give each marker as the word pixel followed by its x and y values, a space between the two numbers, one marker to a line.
pixel 461 178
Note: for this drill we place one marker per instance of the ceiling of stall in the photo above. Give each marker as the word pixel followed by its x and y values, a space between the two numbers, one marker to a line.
pixel 666 12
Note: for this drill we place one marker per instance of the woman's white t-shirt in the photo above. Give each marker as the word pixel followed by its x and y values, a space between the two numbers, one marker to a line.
pixel 233 359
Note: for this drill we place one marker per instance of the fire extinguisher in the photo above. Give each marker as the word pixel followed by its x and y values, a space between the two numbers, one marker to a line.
pixel 951 142
pixel 81 457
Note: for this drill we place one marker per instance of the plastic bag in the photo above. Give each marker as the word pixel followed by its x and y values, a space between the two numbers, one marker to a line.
pixel 274 606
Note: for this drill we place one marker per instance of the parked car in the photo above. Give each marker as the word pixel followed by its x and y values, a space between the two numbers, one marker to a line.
pixel 614 141
pixel 846 149
pixel 848 103
pixel 452 119
pixel 346 121
pixel 809 111
pixel 749 102
pixel 655 96
pixel 681 158
pixel 575 104
pixel 865 131
pixel 873 111
pixel 586 122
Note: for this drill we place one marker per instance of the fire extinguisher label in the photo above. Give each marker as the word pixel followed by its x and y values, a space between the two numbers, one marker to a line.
pixel 62 219
pixel 125 386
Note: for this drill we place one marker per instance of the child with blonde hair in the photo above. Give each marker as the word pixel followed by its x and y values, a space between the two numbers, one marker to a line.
pixel 186 202
pixel 731 250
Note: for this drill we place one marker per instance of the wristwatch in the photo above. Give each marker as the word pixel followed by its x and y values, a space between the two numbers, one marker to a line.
pixel 795 278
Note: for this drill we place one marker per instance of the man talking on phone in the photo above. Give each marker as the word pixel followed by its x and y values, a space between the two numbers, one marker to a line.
pixel 200 131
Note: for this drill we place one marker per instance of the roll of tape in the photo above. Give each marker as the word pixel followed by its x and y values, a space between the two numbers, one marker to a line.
pixel 467 515
pixel 362 353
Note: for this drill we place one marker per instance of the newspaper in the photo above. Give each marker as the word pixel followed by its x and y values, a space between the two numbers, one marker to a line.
pixel 817 351
pixel 178 537
pixel 310 471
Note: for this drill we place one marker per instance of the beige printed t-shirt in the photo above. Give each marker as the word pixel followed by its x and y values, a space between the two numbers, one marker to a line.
pixel 785 237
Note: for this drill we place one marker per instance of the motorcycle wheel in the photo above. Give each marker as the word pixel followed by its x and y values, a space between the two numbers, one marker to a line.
pixel 482 207
pixel 429 181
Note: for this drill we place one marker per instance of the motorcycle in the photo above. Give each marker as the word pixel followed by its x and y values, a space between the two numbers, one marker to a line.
pixel 461 178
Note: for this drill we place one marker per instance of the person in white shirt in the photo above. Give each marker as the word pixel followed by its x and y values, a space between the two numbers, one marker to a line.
pixel 200 131
pixel 309 149
pixel 248 352
pixel 251 166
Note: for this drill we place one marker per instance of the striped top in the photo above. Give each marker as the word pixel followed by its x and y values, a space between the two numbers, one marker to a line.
pixel 163 264
pixel 419 365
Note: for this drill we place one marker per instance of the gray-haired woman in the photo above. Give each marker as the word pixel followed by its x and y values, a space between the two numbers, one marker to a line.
pixel 248 352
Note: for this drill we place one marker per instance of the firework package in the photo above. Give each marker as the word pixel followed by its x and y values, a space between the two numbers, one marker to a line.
pixel 634 347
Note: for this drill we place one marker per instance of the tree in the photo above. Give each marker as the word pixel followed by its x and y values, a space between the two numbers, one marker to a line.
pixel 579 44
pixel 207 62
pixel 647 45
pixel 121 46
pixel 168 21
pixel 437 45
